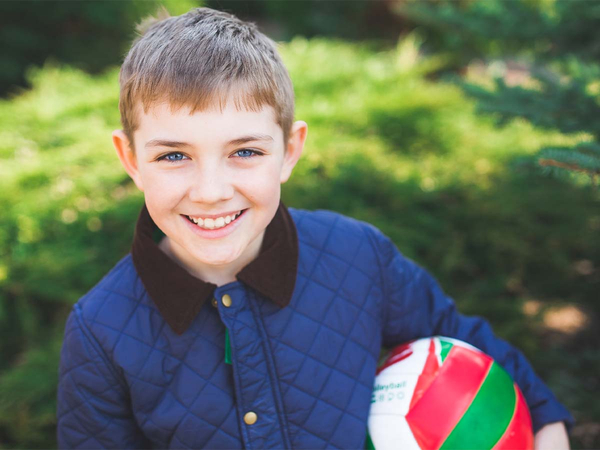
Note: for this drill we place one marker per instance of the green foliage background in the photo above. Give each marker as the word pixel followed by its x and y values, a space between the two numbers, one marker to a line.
pixel 555 43
pixel 385 145
pixel 89 34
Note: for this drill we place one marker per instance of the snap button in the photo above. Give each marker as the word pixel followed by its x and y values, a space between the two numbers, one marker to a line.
pixel 214 302
pixel 226 299
pixel 250 418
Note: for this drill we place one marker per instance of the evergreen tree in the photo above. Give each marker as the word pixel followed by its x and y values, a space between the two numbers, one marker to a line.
pixel 560 42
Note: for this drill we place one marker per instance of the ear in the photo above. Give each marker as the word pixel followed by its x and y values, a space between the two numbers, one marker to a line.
pixel 294 148
pixel 127 156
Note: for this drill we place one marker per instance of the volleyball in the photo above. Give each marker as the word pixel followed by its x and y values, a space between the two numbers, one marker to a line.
pixel 442 393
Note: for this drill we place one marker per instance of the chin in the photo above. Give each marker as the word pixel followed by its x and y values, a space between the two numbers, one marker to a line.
pixel 213 260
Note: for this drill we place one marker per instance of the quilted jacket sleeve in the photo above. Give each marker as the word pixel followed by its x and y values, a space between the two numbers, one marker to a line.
pixel 93 406
pixel 415 306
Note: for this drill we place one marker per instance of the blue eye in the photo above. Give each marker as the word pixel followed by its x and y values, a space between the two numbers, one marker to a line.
pixel 247 153
pixel 172 157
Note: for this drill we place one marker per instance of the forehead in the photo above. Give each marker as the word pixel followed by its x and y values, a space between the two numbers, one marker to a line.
pixel 214 121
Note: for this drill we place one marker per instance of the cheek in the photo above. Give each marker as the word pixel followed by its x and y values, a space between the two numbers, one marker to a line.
pixel 162 190
pixel 262 187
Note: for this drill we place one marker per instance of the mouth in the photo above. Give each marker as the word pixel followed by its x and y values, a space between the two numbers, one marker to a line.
pixel 216 224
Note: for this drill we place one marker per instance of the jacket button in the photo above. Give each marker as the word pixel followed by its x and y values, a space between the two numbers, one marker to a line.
pixel 250 418
pixel 226 299
pixel 214 302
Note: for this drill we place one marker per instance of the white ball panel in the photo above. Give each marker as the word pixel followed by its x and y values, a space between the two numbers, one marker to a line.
pixel 392 432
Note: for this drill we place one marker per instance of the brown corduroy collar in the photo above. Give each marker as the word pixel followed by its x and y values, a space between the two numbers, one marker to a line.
pixel 179 295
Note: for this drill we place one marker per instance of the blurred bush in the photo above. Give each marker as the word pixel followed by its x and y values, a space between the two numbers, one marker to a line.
pixel 469 29
pixel 545 66
pixel 353 20
pixel 385 145
pixel 88 34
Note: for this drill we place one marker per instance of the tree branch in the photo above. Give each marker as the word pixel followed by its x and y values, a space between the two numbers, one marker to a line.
pixel 569 166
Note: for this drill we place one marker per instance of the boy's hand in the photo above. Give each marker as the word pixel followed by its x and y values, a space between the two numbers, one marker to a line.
pixel 552 437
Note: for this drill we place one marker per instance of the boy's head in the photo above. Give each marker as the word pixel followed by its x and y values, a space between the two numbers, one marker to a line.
pixel 198 60
pixel 207 109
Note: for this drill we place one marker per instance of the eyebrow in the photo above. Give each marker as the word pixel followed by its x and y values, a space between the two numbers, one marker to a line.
pixel 237 141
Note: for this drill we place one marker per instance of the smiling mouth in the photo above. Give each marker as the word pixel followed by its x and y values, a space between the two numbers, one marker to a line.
pixel 215 224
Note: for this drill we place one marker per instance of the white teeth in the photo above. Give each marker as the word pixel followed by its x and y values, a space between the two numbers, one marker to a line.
pixel 219 222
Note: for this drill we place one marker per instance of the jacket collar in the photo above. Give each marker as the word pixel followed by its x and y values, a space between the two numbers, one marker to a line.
pixel 179 296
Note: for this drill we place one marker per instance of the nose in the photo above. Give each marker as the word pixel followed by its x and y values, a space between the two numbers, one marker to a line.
pixel 210 183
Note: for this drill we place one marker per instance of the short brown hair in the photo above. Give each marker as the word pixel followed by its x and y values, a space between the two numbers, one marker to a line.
pixel 197 60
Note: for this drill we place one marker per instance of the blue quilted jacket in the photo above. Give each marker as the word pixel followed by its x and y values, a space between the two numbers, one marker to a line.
pixel 306 371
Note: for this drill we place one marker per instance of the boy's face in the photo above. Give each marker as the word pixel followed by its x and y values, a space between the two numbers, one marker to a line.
pixel 211 164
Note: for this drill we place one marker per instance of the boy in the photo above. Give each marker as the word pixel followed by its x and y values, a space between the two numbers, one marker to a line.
pixel 235 321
